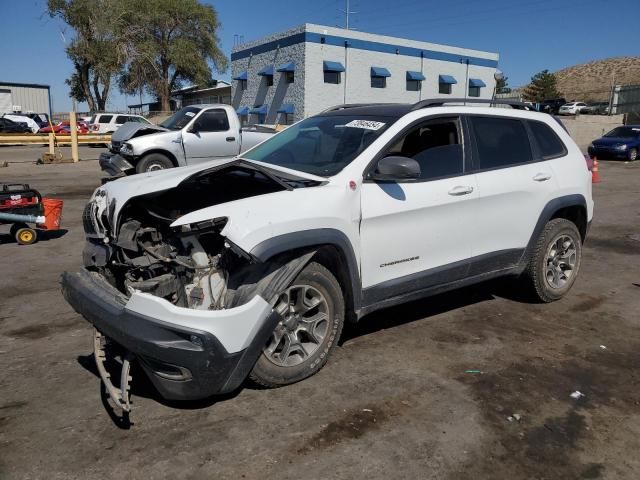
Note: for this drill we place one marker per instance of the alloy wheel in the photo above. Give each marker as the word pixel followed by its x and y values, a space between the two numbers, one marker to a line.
pixel 561 261
pixel 303 328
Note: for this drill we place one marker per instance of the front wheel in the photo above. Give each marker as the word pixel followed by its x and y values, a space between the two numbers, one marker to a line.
pixel 555 261
pixel 633 154
pixel 153 162
pixel 312 311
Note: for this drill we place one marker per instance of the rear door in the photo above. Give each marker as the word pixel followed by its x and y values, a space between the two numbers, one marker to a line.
pixel 514 185
pixel 210 136
pixel 416 234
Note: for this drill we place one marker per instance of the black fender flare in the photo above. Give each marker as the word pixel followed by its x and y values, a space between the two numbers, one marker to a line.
pixel 314 238
pixel 549 210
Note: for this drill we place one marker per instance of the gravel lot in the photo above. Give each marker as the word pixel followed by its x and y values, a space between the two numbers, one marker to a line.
pixel 395 401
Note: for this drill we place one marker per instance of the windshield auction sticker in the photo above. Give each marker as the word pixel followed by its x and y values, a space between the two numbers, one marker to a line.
pixel 366 124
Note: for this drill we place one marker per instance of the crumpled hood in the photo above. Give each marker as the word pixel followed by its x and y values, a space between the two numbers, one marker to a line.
pixel 129 129
pixel 124 189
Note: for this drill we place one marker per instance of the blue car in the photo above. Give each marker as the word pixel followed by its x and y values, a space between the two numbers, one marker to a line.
pixel 621 142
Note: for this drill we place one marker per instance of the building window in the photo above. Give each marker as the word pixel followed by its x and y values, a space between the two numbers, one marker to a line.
pixel 414 85
pixel 290 76
pixel 444 88
pixel 378 82
pixel 474 91
pixel 243 85
pixel 332 77
pixel 269 80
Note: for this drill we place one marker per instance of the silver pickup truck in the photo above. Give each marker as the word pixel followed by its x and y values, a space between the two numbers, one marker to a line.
pixel 194 134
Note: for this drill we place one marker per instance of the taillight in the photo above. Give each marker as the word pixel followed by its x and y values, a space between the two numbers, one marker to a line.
pixel 95 127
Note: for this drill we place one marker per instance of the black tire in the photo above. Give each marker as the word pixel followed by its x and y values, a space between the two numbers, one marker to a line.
pixel 26 236
pixel 633 154
pixel 15 227
pixel 536 276
pixel 152 162
pixel 269 374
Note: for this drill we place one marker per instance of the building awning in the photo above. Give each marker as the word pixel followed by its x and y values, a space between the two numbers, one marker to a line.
pixel 243 111
pixel 415 76
pixel 447 79
pixel 287 67
pixel 286 108
pixel 328 66
pixel 380 72
pixel 260 110
pixel 476 82
pixel 241 76
pixel 266 71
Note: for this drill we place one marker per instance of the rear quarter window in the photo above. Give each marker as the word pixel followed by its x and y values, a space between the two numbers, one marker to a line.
pixel 548 143
pixel 500 142
pixel 104 118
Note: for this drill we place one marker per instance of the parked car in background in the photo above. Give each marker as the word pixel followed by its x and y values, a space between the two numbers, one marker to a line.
pixel 194 134
pixel 110 122
pixel 33 126
pixel 552 105
pixel 571 108
pixel 9 126
pixel 65 127
pixel 621 142
pixel 42 119
pixel 597 108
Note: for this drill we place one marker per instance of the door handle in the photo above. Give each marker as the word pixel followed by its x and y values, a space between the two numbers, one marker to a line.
pixel 231 139
pixel 542 177
pixel 460 190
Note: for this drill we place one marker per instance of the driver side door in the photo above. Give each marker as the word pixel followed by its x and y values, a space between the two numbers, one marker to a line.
pixel 210 136
pixel 417 234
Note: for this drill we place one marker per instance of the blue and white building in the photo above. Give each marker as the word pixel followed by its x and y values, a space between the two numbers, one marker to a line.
pixel 300 72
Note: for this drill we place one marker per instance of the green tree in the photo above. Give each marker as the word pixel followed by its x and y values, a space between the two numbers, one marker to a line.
pixel 502 85
pixel 171 42
pixel 95 49
pixel 542 87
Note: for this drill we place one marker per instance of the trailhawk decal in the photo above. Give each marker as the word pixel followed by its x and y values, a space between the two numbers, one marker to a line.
pixel 366 124
pixel 395 262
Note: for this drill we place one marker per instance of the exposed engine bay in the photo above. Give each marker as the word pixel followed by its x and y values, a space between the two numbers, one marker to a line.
pixel 191 266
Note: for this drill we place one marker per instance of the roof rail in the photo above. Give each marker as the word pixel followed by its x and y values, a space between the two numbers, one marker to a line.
pixel 352 105
pixel 439 102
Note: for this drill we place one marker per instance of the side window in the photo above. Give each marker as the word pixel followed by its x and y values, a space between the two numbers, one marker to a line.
pixel 104 118
pixel 549 144
pixel 500 142
pixel 213 121
pixel 122 119
pixel 436 145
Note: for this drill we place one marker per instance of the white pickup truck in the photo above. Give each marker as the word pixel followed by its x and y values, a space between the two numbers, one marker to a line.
pixel 194 134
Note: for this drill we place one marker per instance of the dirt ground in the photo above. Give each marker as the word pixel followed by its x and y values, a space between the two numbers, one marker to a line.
pixel 419 391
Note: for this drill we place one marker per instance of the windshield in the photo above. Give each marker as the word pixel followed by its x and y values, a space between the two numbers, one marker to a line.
pixel 624 132
pixel 321 145
pixel 180 119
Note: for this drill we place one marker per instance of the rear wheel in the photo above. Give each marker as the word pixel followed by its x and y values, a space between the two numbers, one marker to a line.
pixel 555 261
pixel 312 311
pixel 153 162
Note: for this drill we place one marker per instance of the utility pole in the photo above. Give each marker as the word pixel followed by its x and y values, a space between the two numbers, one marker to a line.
pixel 347 11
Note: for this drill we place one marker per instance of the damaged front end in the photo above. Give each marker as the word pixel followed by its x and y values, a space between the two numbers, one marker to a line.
pixel 191 307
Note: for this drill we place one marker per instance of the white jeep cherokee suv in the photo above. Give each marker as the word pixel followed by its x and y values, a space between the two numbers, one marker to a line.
pixel 249 266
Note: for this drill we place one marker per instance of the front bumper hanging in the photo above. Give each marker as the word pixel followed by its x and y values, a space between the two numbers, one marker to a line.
pixel 181 350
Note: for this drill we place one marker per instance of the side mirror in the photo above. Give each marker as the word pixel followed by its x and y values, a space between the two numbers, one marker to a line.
pixel 395 168
pixel 194 128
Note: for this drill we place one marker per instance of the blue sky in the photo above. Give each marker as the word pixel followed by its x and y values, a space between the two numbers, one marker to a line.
pixel 529 35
